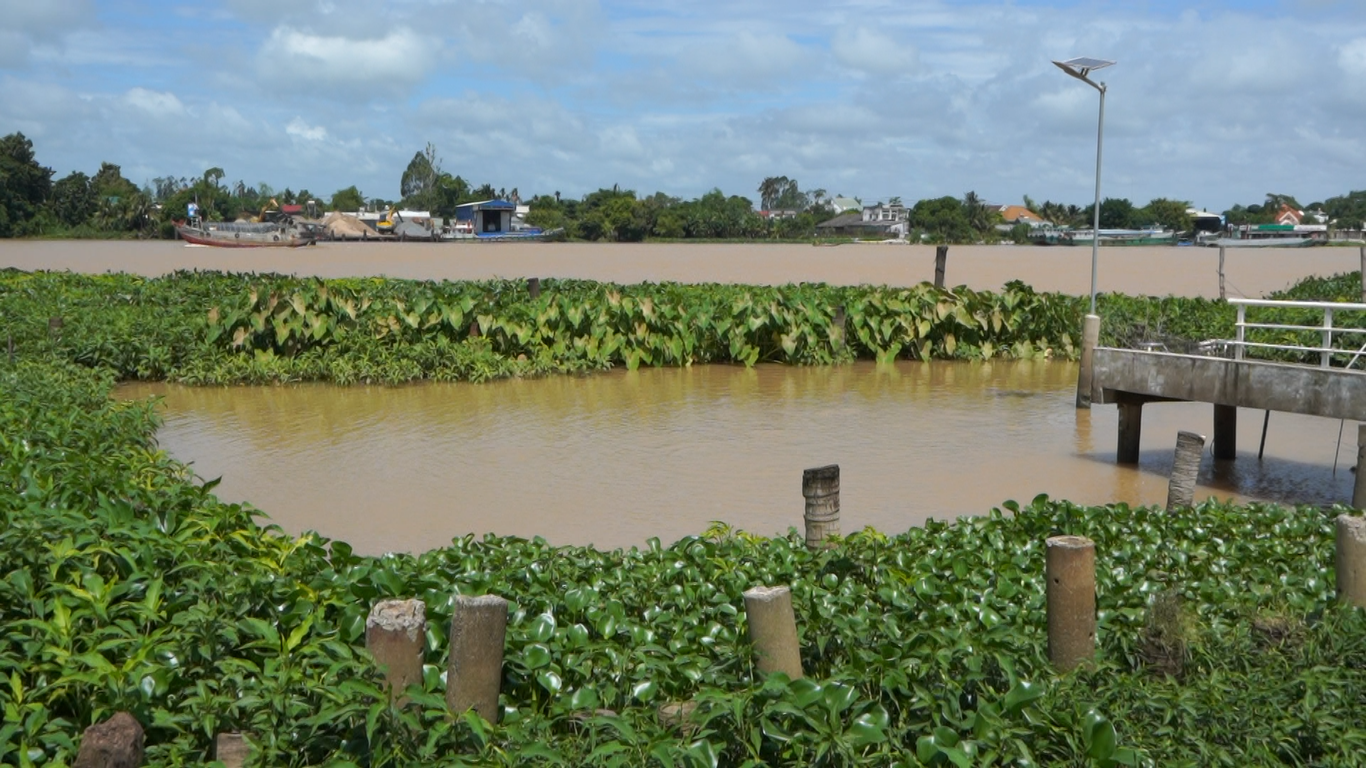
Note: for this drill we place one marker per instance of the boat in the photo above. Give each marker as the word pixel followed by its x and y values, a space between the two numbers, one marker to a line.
pixel 465 233
pixel 1264 242
pixel 237 234
pixel 1108 237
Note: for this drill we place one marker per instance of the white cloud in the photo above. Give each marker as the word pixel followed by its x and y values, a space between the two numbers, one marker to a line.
pixel 401 58
pixel 747 57
pixel 25 26
pixel 870 51
pixel 154 103
pixel 1352 57
pixel 298 128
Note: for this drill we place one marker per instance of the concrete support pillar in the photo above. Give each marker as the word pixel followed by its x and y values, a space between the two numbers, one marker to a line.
pixel 474 676
pixel 396 635
pixel 1185 468
pixel 821 487
pixel 1225 432
pixel 1070 563
pixel 941 261
pixel 1130 429
pixel 1351 560
pixel 773 630
pixel 1359 489
pixel 1090 337
pixel 231 750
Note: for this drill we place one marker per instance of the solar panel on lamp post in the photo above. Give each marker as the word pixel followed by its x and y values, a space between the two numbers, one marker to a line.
pixel 1080 68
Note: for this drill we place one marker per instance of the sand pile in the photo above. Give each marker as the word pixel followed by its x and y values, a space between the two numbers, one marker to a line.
pixel 342 226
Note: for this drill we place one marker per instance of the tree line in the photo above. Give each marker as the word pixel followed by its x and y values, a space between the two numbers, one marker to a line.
pixel 107 204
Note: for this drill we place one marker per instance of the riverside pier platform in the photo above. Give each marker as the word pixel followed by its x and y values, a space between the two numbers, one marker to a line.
pixel 1131 378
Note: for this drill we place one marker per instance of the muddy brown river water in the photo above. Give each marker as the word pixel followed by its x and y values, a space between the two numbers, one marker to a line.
pixel 1146 271
pixel 613 459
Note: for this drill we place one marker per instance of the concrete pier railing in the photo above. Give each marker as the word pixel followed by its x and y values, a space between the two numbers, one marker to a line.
pixel 1330 336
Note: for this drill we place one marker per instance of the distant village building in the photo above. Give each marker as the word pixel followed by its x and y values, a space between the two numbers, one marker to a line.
pixel 1018 214
pixel 487 216
pixel 787 213
pixel 1289 216
pixel 842 204
pixel 879 220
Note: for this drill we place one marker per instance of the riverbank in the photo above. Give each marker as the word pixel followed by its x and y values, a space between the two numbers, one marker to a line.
pixel 1188 272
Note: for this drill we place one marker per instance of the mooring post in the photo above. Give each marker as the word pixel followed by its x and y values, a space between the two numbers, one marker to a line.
pixel 231 749
pixel 396 635
pixel 821 487
pixel 1070 565
pixel 1221 285
pixel 1225 431
pixel 1130 430
pixel 1185 468
pixel 773 630
pixel 1090 337
pixel 533 286
pixel 941 259
pixel 474 675
pixel 1351 560
pixel 1359 488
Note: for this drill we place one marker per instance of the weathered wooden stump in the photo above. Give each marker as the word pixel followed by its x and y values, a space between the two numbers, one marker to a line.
pixel 773 630
pixel 231 749
pixel 941 260
pixel 821 488
pixel 396 635
pixel 1070 567
pixel 1351 560
pixel 1185 468
pixel 114 743
pixel 474 675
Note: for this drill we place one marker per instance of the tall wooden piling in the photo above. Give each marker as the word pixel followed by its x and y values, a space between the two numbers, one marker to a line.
pixel 1359 489
pixel 533 287
pixel 941 260
pixel 773 630
pixel 1185 468
pixel 821 488
pixel 1070 563
pixel 1221 272
pixel 1351 560
pixel 474 675
pixel 396 635
pixel 1090 337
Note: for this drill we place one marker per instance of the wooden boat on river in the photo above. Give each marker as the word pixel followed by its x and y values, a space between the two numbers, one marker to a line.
pixel 236 234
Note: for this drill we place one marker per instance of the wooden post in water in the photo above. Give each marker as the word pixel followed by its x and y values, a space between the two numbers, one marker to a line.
pixel 1070 565
pixel 837 324
pixel 941 258
pixel 1221 272
pixel 773 630
pixel 1130 431
pixel 474 675
pixel 821 487
pixel 1185 468
pixel 1351 560
pixel 231 749
pixel 533 286
pixel 1090 337
pixel 396 635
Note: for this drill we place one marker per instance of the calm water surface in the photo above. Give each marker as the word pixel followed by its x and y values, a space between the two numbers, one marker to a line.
pixel 1143 271
pixel 613 459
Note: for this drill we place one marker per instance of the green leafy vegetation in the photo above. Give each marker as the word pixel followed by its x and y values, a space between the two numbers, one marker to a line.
pixel 126 585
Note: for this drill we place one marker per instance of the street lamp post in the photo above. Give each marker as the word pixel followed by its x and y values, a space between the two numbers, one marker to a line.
pixel 1081 68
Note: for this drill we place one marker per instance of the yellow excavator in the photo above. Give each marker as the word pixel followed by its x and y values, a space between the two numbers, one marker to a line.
pixel 386 224
pixel 266 210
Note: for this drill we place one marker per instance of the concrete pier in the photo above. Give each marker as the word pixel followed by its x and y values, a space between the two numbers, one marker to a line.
pixel 1090 337
pixel 1225 432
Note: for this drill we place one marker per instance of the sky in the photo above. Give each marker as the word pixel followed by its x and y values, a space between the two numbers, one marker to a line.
pixel 1212 101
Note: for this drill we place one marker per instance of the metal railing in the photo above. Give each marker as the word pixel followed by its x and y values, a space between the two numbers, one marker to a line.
pixel 1326 330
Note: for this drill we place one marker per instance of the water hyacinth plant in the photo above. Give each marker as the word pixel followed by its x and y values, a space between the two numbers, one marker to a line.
pixel 125 584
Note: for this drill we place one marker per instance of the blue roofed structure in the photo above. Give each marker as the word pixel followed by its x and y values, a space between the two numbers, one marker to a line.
pixel 487 216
